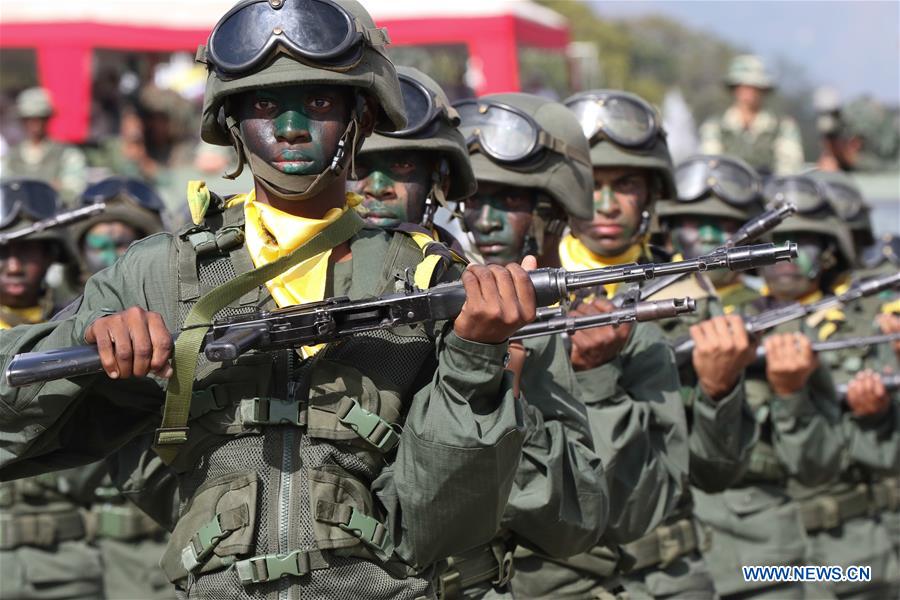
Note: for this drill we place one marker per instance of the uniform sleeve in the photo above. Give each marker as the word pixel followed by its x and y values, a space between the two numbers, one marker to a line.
pixel 806 430
pixel 639 431
pixel 457 456
pixel 711 137
pixel 788 148
pixel 559 501
pixel 70 422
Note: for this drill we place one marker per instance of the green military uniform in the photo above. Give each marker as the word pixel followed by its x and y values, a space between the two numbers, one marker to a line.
pixel 559 501
pixel 770 143
pixel 640 432
pixel 283 487
pixel 61 165
pixel 45 552
pixel 758 520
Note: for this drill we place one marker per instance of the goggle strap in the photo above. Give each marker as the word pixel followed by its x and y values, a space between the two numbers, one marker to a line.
pixel 376 36
pixel 560 147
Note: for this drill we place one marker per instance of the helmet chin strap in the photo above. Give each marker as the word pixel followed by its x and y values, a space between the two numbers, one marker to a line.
pixel 296 187
pixel 436 198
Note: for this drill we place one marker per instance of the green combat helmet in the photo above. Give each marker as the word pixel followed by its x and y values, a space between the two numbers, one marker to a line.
pixel 848 203
pixel 128 200
pixel 868 120
pixel 815 214
pixel 527 141
pixel 720 186
pixel 748 69
pixel 24 202
pixel 346 48
pixel 626 131
pixel 432 127
pixel 34 103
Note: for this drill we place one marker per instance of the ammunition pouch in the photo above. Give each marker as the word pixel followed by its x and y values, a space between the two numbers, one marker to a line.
pixel 829 511
pixel 124 522
pixel 764 466
pixel 44 530
pixel 491 563
pixel 664 545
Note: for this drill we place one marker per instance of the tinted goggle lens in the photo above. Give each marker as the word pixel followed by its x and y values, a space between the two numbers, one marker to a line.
pixel 622 119
pixel 802 192
pixel 728 180
pixel 419 106
pixel 131 189
pixel 502 133
pixel 848 202
pixel 315 29
pixel 36 199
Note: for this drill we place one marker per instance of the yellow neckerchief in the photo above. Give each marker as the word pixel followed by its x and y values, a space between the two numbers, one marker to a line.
pixel 826 322
pixel 32 314
pixel 726 289
pixel 575 256
pixel 272 233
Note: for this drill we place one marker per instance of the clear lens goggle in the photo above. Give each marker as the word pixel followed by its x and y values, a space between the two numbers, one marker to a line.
pixel 319 31
pixel 126 188
pixel 624 119
pixel 508 135
pixel 36 199
pixel 728 179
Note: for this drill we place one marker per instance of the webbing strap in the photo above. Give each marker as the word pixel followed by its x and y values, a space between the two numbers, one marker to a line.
pixel 173 430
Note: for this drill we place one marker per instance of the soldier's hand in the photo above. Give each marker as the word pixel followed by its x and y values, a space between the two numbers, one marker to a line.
pixel 596 346
pixel 866 395
pixel 722 350
pixel 517 356
pixel 132 343
pixel 890 323
pixel 499 301
pixel 790 361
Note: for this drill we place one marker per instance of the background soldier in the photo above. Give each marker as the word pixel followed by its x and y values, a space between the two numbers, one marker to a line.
pixel 770 143
pixel 44 550
pixel 404 176
pixel 39 157
pixel 275 454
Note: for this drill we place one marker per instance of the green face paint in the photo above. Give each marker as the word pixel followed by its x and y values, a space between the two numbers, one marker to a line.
pixel 793 280
pixel 499 218
pixel 619 197
pixel 394 187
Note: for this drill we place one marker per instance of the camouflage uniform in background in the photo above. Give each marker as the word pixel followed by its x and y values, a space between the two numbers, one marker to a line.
pixel 770 143
pixel 45 552
pixel 61 165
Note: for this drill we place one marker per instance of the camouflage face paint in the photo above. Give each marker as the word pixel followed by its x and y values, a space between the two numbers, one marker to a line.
pixel 394 187
pixel 499 218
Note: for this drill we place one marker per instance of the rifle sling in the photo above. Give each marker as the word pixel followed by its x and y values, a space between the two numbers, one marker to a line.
pixel 173 430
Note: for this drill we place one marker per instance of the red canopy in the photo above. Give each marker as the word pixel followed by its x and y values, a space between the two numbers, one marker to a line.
pixel 64 35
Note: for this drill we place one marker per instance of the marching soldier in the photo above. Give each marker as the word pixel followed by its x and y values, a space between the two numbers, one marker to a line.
pixel 285 487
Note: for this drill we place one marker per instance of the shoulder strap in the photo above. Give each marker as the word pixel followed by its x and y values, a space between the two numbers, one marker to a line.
pixel 173 430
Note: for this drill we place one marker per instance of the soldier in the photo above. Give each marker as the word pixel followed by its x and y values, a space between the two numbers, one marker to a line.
pixel 758 520
pixel 132 212
pixel 404 176
pixel 44 549
pixel 770 143
pixel 559 502
pixel 285 486
pixel 632 170
pixel 854 533
pixel 39 157
pixel 861 136
pixel 702 217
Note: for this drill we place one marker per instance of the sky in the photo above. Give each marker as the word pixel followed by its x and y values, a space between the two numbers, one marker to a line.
pixel 852 45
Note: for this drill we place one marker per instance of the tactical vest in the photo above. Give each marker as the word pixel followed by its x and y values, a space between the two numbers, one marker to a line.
pixel 48 169
pixel 758 150
pixel 277 471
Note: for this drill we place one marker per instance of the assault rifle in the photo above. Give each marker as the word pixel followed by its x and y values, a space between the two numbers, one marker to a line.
pixel 335 318
pixel 891 383
pixel 852 342
pixel 792 312
pixel 637 312
pixel 749 231
pixel 60 220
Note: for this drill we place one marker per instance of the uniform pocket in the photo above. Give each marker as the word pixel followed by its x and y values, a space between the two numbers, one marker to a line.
pixel 218 525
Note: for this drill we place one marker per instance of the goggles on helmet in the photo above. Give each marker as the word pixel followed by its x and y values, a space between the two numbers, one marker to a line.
pixel 805 193
pixel 623 119
pixel 508 135
pixel 131 190
pixel 729 180
pixel 422 107
pixel 846 200
pixel 319 31
pixel 35 199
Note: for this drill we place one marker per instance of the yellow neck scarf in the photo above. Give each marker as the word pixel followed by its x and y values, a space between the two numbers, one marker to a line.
pixel 272 233
pixel 32 314
pixel 575 256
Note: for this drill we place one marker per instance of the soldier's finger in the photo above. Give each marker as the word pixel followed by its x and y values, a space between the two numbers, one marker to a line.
pixel 723 334
pixel 161 340
pixel 506 290
pixel 141 345
pixel 738 332
pixel 472 285
pixel 121 340
pixel 98 333
pixel 523 289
